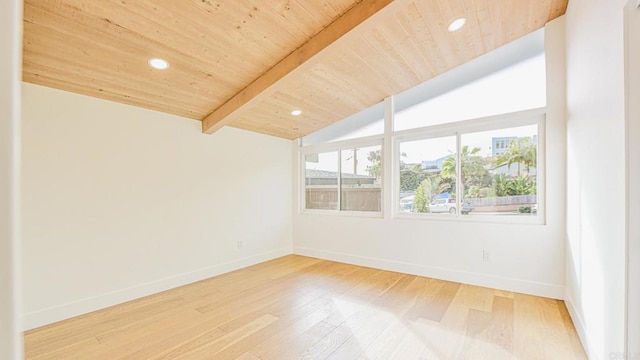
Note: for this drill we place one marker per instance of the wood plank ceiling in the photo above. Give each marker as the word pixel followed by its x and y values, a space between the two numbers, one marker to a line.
pixel 218 48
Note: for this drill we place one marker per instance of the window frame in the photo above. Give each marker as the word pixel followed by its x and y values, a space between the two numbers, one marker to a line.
pixel 339 146
pixel 521 118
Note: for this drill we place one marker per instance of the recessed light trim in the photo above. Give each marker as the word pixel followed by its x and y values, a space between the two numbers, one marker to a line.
pixel 296 112
pixel 159 64
pixel 457 24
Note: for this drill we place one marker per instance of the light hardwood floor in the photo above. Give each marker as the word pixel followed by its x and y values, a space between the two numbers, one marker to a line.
pixel 297 307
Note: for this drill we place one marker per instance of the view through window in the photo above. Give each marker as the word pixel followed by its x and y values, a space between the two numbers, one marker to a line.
pixel 428 176
pixel 497 174
pixel 499 171
pixel 350 177
pixel 321 181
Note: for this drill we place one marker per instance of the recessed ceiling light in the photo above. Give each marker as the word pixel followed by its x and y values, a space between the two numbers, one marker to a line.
pixel 157 63
pixel 457 24
pixel 296 112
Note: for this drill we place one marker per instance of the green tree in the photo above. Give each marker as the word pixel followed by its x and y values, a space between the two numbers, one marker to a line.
pixel 375 169
pixel 504 185
pixel 429 187
pixel 521 185
pixel 500 184
pixel 521 151
pixel 411 177
pixel 421 200
pixel 473 166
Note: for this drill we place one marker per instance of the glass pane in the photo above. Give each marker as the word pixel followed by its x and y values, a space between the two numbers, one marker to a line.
pixel 321 181
pixel 361 179
pixel 519 87
pixel 499 174
pixel 367 122
pixel 374 128
pixel 428 176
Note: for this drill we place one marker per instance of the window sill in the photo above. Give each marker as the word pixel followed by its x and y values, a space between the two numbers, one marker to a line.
pixel 362 214
pixel 484 219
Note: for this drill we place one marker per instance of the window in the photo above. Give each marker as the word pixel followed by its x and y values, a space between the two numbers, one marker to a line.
pixel 494 172
pixel 361 173
pixel 500 181
pixel 321 181
pixel 369 122
pixel 519 87
pixel 350 177
pixel 428 176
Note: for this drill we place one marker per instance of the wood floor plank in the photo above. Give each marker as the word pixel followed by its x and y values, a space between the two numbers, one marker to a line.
pixel 247 356
pixel 297 344
pixel 436 307
pixel 205 346
pixel 528 328
pixel 490 334
pixel 69 351
pixel 297 307
pixel 570 330
pixel 410 347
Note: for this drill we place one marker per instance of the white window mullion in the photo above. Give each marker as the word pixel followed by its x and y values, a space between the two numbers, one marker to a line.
pixel 339 180
pixel 389 155
pixel 302 179
pixel 459 188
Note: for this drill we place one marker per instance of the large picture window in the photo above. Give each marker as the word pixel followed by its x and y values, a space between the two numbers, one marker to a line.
pixel 483 168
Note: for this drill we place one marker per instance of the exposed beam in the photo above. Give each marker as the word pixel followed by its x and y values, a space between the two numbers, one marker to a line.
pixel 343 25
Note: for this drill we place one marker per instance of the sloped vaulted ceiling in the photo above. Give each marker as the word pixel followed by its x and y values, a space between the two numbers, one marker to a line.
pixel 218 49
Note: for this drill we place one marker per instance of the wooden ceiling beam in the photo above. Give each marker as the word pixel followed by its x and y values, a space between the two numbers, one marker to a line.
pixel 300 59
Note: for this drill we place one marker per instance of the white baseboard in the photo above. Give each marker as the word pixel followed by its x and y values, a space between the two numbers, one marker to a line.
pixel 578 323
pixel 65 311
pixel 502 283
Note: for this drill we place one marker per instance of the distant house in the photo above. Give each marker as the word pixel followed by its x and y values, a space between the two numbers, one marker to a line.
pixel 434 165
pixel 500 144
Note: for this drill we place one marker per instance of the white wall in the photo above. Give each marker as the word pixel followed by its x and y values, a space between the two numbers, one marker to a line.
pixel 120 202
pixel 596 174
pixel 632 50
pixel 10 71
pixel 525 258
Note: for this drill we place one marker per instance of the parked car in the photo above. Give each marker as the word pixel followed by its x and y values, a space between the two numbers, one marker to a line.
pixel 439 206
pixel 406 203
pixel 406 206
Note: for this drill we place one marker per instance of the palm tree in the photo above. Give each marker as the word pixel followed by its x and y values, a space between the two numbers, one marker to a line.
pixel 530 153
pixel 520 151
